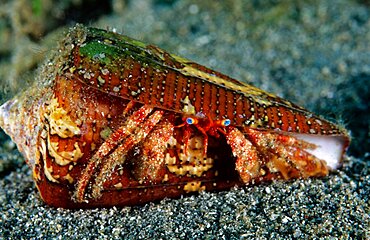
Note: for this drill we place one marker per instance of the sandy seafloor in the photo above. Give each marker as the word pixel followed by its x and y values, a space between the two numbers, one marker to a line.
pixel 316 54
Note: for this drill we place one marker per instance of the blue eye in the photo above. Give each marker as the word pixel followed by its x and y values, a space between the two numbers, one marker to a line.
pixel 190 120
pixel 226 122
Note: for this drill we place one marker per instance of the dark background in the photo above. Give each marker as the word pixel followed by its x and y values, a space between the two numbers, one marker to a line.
pixel 314 53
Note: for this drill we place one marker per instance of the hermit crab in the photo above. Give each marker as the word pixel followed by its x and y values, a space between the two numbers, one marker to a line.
pixel 112 121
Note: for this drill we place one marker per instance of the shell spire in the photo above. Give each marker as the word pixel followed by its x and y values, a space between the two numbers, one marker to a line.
pixel 20 119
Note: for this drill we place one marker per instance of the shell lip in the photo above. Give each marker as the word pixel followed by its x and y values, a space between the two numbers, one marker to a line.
pixel 329 148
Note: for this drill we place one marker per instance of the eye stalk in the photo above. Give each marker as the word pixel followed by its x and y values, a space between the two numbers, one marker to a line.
pixel 221 123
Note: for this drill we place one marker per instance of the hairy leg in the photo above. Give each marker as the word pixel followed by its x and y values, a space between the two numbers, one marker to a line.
pixel 152 152
pixel 114 139
pixel 247 159
pixel 280 153
pixel 119 155
pixel 287 154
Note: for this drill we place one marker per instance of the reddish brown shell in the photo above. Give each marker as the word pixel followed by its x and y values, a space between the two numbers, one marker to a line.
pixel 149 75
pixel 102 92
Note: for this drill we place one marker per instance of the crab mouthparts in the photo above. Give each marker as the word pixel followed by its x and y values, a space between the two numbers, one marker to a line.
pixel 329 147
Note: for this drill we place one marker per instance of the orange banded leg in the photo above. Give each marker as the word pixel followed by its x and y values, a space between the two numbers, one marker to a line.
pixel 152 152
pixel 282 153
pixel 247 161
pixel 114 139
pixel 119 155
pixel 287 154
